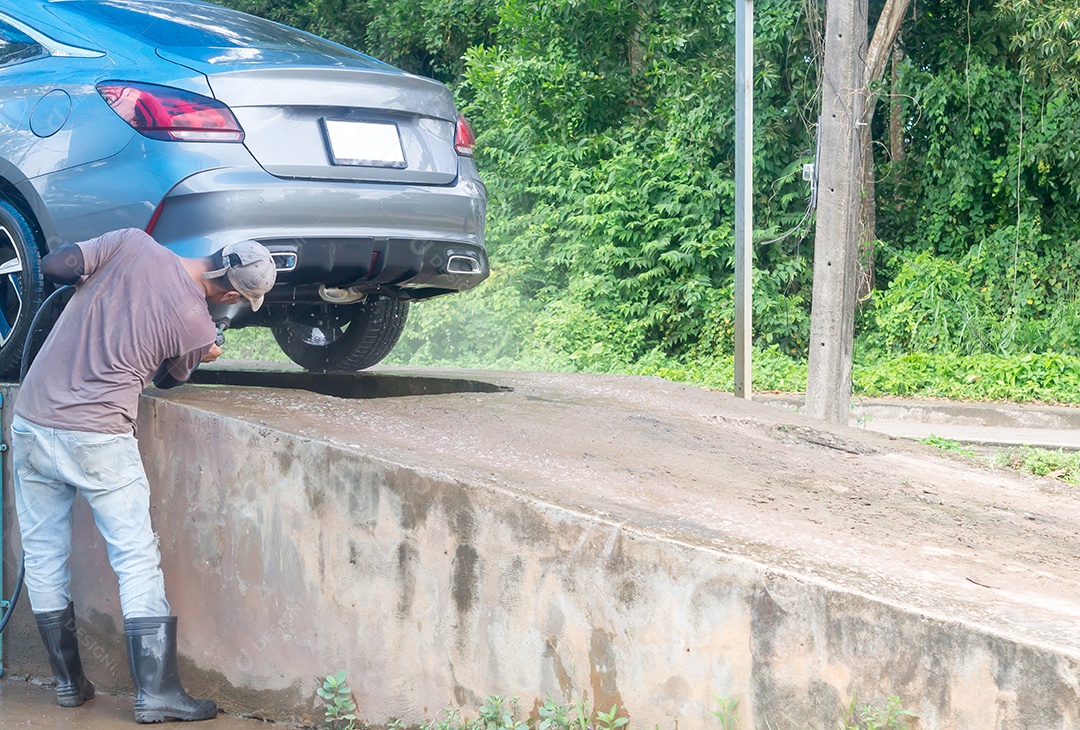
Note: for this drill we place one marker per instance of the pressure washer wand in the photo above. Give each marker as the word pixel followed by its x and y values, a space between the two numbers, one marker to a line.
pixel 222 325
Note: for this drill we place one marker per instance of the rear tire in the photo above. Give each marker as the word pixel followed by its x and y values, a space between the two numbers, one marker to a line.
pixel 22 286
pixel 326 337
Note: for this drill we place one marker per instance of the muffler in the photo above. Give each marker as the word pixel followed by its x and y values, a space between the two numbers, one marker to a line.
pixel 337 295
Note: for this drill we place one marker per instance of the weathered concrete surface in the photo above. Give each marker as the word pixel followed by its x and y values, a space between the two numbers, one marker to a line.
pixel 643 543
pixel 25 705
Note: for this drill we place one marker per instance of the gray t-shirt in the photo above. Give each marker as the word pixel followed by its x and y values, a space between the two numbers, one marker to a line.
pixel 135 309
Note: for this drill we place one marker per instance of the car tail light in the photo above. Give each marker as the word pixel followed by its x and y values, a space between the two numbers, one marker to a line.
pixel 154 218
pixel 162 112
pixel 464 140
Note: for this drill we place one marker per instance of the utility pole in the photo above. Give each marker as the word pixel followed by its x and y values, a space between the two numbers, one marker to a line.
pixel 839 169
pixel 744 195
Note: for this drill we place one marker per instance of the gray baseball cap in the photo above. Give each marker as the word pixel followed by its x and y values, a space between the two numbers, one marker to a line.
pixel 249 268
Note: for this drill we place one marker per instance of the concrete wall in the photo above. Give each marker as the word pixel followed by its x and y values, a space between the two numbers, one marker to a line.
pixel 287 558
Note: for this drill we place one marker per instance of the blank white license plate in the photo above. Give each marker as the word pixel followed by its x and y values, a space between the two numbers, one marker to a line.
pixel 367 144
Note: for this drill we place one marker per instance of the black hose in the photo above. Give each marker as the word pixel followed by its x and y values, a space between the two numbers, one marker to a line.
pixel 26 359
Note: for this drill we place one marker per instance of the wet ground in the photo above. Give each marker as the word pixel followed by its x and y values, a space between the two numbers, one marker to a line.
pixel 27 705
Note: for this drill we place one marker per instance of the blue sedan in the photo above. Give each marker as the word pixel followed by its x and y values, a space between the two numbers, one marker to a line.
pixel 204 126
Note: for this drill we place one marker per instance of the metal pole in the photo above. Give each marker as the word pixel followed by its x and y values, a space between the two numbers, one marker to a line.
pixel 744 187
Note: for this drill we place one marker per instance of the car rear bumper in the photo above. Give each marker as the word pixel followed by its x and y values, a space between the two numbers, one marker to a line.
pixel 398 268
pixel 404 241
pixel 213 208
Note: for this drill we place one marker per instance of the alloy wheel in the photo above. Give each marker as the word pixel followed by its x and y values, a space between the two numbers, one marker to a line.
pixel 11 289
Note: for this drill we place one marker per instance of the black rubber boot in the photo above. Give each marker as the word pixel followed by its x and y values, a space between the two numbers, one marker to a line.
pixel 62 644
pixel 151 649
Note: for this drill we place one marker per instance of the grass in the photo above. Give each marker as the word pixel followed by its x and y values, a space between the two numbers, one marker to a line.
pixel 1061 465
pixel 948 445
pixel 1048 463
pixel 1028 378
pixel 1052 379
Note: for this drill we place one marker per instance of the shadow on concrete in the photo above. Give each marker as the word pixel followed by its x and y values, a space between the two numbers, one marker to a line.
pixel 362 385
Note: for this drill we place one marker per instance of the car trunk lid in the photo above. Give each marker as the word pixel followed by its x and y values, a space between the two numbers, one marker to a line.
pixel 311 115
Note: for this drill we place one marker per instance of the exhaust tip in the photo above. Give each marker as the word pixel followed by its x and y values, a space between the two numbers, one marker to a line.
pixel 458 264
pixel 283 260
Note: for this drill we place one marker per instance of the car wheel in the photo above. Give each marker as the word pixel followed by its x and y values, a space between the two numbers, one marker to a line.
pixel 324 337
pixel 22 287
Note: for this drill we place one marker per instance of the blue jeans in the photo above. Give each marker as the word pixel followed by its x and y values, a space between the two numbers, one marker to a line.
pixel 50 466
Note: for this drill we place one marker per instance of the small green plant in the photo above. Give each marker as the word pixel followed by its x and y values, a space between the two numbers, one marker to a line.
pixel 947 445
pixel 890 716
pixel 553 716
pixel 727 713
pixel 338 702
pixel 451 720
pixel 499 713
pixel 609 720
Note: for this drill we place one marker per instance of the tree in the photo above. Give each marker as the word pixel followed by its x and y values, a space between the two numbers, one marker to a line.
pixel 882 45
pixel 1047 32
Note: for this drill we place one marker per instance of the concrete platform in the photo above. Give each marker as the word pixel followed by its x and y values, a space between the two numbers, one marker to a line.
pixel 625 539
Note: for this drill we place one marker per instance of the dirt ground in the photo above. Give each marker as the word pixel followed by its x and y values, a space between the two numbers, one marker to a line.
pixel 903 522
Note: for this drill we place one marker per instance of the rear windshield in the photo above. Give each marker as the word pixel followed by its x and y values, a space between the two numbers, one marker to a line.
pixel 198 25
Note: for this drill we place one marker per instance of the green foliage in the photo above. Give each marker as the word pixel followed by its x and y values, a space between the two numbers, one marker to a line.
pixel 608 166
pixel 948 445
pixel 497 713
pixel 340 709
pixel 252 343
pixel 890 715
pixel 727 713
pixel 1045 378
pixel 422 36
pixel 500 713
pixel 1047 32
pixel 610 720
pixel 605 139
pixel 772 371
pixel 1061 465
pixel 980 218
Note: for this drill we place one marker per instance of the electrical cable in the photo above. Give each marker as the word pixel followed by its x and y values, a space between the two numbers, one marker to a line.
pixel 26 360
